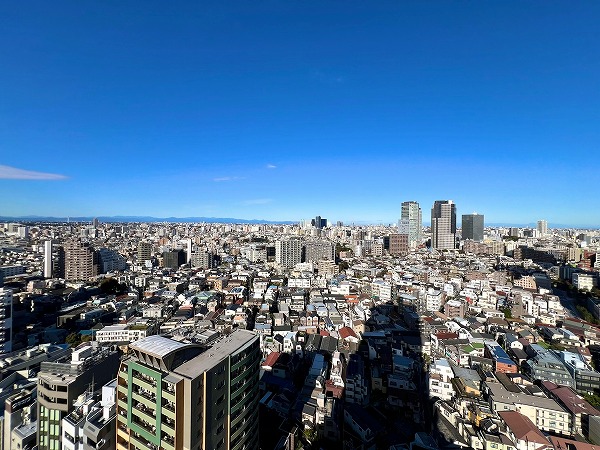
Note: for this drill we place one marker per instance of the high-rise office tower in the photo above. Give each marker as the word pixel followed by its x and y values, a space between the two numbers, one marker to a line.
pixel 288 253
pixel 411 223
pixel 180 395
pixel 318 222
pixel 81 261
pixel 443 225
pixel 48 259
pixel 6 329
pixel 542 227
pixel 472 227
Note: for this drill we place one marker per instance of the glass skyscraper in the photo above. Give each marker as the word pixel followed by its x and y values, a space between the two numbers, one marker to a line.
pixel 472 227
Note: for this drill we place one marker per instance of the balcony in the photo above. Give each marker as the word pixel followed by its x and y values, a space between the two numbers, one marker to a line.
pixel 144 384
pixel 148 400
pixel 145 415
pixel 167 442
pixel 122 433
pixel 144 425
pixel 146 378
pixel 168 396
pixel 168 423
pixel 169 414
pixel 168 405
pixel 139 442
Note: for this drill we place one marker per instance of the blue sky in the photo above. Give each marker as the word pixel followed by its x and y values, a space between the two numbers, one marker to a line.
pixel 283 110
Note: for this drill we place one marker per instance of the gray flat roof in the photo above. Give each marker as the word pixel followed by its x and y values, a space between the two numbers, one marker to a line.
pixel 158 346
pixel 219 351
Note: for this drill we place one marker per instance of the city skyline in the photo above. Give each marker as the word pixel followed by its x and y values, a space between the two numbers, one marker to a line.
pixel 237 220
pixel 112 110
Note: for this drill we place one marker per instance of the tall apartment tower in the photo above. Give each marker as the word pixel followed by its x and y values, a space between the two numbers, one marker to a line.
pixel 174 259
pixel 48 259
pixel 6 328
pixel 176 395
pixel 411 223
pixel 288 253
pixel 81 261
pixel 315 251
pixel 472 227
pixel 204 259
pixel 189 247
pixel 144 251
pixel 399 244
pixel 542 227
pixel 443 225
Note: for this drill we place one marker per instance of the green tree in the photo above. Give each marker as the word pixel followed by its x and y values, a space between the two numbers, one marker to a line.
pixel 585 314
pixel 73 339
pixel 592 399
pixel 110 286
pixel 507 313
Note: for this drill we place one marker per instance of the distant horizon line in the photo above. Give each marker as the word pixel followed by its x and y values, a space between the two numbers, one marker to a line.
pixel 231 220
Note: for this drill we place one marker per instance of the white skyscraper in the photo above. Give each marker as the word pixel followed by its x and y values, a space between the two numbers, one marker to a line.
pixel 542 227
pixel 411 223
pixel 6 331
pixel 443 225
pixel 189 250
pixel 48 259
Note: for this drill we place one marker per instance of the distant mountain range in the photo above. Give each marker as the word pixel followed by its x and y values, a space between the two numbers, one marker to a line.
pixel 124 219
pixel 118 219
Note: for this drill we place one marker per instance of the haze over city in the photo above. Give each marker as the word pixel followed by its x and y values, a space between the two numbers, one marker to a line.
pixel 275 110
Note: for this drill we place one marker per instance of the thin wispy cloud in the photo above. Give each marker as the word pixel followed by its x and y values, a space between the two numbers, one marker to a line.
pixel 271 166
pixel 12 173
pixel 221 179
pixel 325 77
pixel 257 201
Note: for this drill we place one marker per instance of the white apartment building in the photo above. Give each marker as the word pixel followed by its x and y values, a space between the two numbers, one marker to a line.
pixel 585 281
pixel 440 380
pixel 381 289
pixel 123 333
pixel 288 253
pixel 434 300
